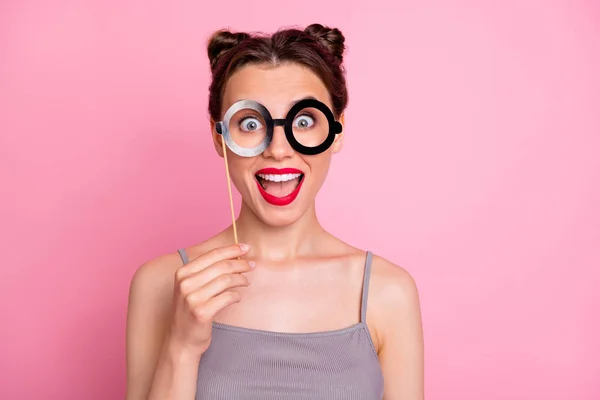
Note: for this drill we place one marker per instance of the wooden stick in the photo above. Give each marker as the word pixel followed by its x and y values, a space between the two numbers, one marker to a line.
pixel 229 188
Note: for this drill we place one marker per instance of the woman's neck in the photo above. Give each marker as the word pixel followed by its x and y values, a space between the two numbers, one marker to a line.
pixel 278 243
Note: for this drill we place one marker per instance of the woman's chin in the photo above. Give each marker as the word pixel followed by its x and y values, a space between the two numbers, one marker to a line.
pixel 280 216
pixel 277 216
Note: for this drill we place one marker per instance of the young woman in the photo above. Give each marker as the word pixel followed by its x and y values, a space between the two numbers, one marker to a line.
pixel 292 312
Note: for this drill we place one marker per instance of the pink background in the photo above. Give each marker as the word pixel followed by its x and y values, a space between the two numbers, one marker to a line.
pixel 471 159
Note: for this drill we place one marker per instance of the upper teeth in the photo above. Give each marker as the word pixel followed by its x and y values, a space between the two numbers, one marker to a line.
pixel 279 177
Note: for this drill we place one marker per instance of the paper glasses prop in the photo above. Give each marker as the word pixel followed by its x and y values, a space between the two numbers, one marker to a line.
pixel 247 129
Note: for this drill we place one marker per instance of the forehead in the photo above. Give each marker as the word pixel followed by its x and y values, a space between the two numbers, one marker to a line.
pixel 274 87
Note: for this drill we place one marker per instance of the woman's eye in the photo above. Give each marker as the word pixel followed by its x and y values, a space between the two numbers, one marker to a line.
pixel 304 122
pixel 250 124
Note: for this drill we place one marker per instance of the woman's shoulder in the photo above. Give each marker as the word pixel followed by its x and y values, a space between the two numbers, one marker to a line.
pixel 393 296
pixel 154 278
pixel 388 278
pixel 391 286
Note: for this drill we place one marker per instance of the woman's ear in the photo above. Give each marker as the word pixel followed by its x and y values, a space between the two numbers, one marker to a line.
pixel 339 138
pixel 217 138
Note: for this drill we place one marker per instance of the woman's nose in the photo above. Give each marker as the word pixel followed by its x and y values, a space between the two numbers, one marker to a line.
pixel 279 147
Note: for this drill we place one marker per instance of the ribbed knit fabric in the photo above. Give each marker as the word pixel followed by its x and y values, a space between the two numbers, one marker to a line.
pixel 252 364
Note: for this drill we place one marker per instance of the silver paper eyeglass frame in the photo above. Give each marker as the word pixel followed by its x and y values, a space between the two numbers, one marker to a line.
pixel 223 128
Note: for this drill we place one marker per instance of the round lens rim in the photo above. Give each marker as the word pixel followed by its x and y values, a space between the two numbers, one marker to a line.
pixel 233 146
pixel 334 127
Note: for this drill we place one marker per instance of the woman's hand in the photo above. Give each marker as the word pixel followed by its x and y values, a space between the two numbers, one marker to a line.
pixel 202 289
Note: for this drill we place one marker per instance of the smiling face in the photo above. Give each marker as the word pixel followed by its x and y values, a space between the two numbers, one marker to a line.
pixel 280 184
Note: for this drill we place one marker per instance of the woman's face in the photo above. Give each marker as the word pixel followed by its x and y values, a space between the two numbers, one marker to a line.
pixel 280 184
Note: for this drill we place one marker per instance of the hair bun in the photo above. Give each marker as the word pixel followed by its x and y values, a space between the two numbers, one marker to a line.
pixel 221 42
pixel 331 38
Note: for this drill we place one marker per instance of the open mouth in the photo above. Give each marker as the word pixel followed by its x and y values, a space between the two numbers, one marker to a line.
pixel 279 185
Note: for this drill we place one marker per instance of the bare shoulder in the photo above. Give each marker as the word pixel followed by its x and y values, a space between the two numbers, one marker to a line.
pixel 154 279
pixel 149 302
pixel 391 283
pixel 152 284
pixel 393 299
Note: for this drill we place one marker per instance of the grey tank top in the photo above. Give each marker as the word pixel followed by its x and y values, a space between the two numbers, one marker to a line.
pixel 253 364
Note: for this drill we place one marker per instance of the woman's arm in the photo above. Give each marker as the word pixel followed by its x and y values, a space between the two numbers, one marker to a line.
pixel 397 321
pixel 156 367
pixel 175 376
pixel 169 321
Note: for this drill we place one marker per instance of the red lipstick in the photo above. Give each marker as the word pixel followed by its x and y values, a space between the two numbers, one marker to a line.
pixel 274 200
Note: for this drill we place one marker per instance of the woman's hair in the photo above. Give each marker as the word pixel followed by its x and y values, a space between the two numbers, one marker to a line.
pixel 317 47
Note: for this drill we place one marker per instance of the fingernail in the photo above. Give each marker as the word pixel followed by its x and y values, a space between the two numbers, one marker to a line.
pixel 244 246
pixel 252 264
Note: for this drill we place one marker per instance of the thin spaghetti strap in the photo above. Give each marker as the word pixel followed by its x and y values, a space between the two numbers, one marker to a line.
pixel 183 256
pixel 365 291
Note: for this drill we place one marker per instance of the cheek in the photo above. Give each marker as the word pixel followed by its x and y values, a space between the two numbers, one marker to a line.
pixel 238 169
pixel 319 166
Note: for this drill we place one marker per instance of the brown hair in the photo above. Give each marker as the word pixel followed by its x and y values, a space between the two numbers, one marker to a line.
pixel 317 47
